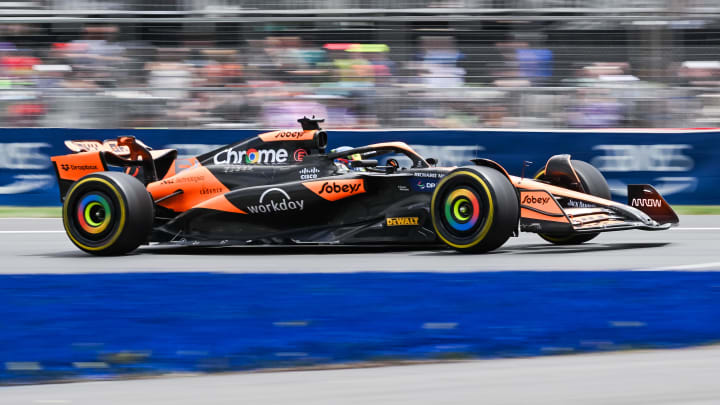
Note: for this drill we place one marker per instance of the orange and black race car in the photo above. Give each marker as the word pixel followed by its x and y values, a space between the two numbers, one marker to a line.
pixel 283 187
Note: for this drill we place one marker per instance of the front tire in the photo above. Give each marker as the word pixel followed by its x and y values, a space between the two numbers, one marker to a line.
pixel 594 183
pixel 475 209
pixel 108 213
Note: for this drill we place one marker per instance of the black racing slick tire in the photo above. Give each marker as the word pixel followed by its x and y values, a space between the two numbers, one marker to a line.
pixel 108 213
pixel 475 209
pixel 594 183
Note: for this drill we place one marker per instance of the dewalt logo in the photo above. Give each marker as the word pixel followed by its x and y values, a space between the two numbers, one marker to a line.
pixel 402 221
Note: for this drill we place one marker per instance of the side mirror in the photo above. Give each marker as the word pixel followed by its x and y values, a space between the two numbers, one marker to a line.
pixel 431 161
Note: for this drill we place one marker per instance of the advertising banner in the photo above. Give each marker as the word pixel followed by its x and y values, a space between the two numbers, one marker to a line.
pixel 679 163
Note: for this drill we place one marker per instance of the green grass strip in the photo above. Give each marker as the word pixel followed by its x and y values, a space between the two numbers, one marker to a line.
pixel 54 212
pixel 30 212
pixel 697 209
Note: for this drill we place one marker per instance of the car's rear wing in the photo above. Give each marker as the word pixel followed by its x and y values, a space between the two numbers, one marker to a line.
pixel 90 156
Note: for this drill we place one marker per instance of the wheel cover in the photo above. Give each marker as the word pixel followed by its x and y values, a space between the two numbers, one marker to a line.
pixel 462 209
pixel 94 214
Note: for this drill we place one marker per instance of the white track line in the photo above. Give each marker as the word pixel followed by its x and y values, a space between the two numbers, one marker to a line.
pixel 29 218
pixel 57 231
pixel 696 229
pixel 19 232
pixel 715 265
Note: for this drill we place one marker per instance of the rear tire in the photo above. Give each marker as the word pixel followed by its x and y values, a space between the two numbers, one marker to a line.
pixel 108 213
pixel 475 209
pixel 594 183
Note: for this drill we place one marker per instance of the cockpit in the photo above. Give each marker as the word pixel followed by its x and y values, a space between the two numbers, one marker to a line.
pixel 382 158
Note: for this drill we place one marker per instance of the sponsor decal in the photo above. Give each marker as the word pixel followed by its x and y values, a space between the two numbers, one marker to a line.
pixel 424 185
pixel 336 189
pixel 115 148
pixel 309 173
pixel 299 155
pixel 429 175
pixel 540 200
pixel 275 200
pixel 288 134
pixel 579 204
pixel 210 190
pixel 236 168
pixel 184 180
pixel 531 199
pixel 250 156
pixel 646 202
pixel 67 167
pixel 96 146
pixel 402 221
pixel 84 146
pixel 422 181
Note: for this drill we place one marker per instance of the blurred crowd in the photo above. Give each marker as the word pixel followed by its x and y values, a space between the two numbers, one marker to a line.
pixel 97 78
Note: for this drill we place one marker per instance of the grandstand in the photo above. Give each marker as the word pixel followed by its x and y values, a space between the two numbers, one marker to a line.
pixel 362 64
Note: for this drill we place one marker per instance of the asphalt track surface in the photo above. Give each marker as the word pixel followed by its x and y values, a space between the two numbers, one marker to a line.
pixel 33 246
pixel 686 376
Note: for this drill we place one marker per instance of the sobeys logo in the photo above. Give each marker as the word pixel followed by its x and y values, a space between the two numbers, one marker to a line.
pixel 528 199
pixel 402 221
pixel 279 201
pixel 333 187
pixel 336 189
pixel 289 134
pixel 250 156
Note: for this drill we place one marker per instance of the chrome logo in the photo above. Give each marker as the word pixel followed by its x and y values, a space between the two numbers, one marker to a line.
pixel 462 209
pixel 252 156
pixel 94 213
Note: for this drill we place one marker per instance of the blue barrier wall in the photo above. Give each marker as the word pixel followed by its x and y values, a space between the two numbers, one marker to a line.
pixel 69 326
pixel 681 164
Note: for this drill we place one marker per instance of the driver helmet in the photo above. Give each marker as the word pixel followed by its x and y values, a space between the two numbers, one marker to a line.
pixel 344 163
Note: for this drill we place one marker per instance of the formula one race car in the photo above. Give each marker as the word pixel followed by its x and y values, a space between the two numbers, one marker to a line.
pixel 282 187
